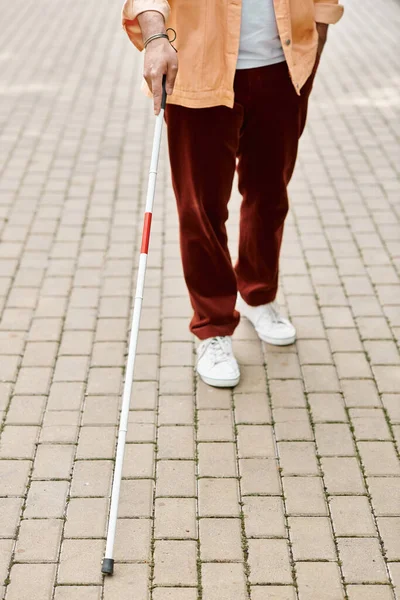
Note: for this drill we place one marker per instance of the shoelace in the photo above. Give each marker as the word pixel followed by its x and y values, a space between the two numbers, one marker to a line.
pixel 219 349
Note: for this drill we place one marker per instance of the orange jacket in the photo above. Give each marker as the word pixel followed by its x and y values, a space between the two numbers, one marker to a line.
pixel 207 41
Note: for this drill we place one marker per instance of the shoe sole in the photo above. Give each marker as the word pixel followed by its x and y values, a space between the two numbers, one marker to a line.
pixel 220 383
pixel 273 342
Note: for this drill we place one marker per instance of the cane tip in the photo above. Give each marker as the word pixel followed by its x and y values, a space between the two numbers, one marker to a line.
pixel 108 566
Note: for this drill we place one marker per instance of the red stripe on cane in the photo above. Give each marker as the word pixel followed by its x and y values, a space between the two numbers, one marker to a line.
pixel 146 233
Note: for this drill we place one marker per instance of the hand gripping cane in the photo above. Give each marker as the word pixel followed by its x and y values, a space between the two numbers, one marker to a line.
pixel 108 561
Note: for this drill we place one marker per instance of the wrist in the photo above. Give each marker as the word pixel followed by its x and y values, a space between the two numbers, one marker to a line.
pixel 151 23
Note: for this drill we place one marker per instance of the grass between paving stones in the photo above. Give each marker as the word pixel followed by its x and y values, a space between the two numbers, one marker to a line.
pixel 345 407
pixel 280 471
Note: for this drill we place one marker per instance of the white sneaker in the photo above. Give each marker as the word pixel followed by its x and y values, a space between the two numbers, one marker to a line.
pixel 216 363
pixel 269 324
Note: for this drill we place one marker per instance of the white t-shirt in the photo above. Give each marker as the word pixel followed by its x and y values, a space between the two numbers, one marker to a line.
pixel 259 39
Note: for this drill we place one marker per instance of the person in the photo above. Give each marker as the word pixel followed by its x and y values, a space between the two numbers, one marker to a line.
pixel 238 99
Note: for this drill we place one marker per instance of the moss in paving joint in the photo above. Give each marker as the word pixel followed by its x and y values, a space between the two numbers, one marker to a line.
pixel 321 476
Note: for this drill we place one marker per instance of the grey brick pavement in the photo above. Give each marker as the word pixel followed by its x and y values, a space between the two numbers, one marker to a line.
pixel 289 487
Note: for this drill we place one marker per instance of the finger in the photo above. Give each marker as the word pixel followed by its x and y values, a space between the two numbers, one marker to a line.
pixel 157 92
pixel 171 76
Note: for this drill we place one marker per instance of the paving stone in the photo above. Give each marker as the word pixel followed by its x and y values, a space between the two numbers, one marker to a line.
pixel 287 394
pixel 259 476
pixel 312 538
pixel 104 380
pixel 304 496
pixel 138 461
pixel 360 393
pixel 80 560
pixel 215 426
pixel 91 478
pixel 46 499
pixel 327 408
pixel 283 366
pixel 71 368
pixel 352 365
pixel 369 592
pixel 100 410
pixel 252 409
pixel 18 441
pixel 210 397
pixel 387 378
pixel 217 460
pixel 86 518
pixel 96 442
pixel 389 528
pixel 319 580
pixel 68 592
pixel 391 403
pixel 320 378
pixel 9 367
pixel 132 540
pixel 132 580
pixel 175 518
pixel 169 553
pixel 176 354
pixel 220 540
pixel 252 379
pixel 175 594
pixel 26 410
pixel 176 442
pixel 314 352
pixel 394 569
pixel 65 396
pixel 264 517
pixel 10 509
pixel 40 354
pixel 175 410
pixel 136 498
pixel 14 477
pixel 344 340
pixel 379 458
pixel 382 352
pixel 369 424
pixel 334 439
pixel 385 492
pixel 218 497
pixel 40 578
pixel 362 560
pixel 298 458
pixel 176 380
pixel 223 581
pixel 53 461
pixel 33 380
pixel 269 562
pixel 255 441
pixel 176 478
pixel 342 475
pixel 272 592
pixel 48 531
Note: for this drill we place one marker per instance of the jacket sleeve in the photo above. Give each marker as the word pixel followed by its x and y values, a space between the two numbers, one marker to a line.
pixel 133 8
pixel 328 11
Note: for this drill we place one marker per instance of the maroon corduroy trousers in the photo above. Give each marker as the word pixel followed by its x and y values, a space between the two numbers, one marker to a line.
pixel 259 136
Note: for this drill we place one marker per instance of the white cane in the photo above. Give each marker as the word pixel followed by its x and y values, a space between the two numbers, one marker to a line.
pixel 108 561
